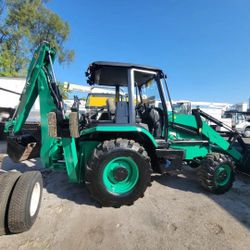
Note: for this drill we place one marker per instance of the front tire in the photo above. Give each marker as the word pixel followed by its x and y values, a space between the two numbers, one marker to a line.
pixel 216 173
pixel 118 172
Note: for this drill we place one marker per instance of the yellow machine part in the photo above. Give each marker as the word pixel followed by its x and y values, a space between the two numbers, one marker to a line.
pixel 98 101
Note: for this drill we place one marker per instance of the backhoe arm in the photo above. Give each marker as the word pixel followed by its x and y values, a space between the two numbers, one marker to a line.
pixel 57 152
pixel 37 73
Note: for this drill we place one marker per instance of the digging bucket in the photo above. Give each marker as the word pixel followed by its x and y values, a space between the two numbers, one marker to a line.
pixel 22 147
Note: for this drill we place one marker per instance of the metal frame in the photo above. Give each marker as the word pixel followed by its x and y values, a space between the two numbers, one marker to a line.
pixel 164 106
pixel 131 90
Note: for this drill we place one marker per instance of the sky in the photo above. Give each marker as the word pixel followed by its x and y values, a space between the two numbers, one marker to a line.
pixel 202 45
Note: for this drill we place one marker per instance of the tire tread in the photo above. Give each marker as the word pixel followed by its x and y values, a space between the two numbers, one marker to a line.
pixel 207 170
pixel 93 166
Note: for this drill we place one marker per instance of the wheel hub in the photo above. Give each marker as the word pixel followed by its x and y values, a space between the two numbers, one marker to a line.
pixel 222 175
pixel 35 198
pixel 247 133
pixel 120 173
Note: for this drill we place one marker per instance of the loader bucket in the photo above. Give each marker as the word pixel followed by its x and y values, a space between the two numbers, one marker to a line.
pixel 22 147
pixel 245 164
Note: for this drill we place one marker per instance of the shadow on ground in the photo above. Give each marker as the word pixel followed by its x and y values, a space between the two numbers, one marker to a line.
pixel 238 208
pixel 55 182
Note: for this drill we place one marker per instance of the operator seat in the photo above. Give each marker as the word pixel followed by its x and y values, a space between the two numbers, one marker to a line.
pixel 153 118
pixel 108 112
pixel 111 108
pixel 121 113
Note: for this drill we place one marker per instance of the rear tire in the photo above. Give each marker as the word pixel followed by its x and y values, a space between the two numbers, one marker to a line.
pixel 25 202
pixel 7 183
pixel 216 173
pixel 118 172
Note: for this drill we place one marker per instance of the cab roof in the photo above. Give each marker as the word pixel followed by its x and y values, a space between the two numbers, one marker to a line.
pixel 116 73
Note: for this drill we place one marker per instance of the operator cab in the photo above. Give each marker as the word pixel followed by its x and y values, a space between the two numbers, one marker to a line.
pixel 142 89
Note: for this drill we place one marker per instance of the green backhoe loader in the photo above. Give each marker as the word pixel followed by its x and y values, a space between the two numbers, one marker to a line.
pixel 115 151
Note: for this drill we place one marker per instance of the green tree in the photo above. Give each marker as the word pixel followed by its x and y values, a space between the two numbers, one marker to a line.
pixel 1 8
pixel 24 24
pixel 63 91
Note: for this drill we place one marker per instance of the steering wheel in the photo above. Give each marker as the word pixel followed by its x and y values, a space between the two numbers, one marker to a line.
pixel 96 113
pixel 140 107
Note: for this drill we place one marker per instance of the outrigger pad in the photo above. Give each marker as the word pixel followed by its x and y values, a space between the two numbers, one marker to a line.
pixel 58 127
pixel 74 124
pixel 52 124
pixel 22 147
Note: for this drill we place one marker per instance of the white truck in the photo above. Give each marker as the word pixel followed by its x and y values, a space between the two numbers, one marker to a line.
pixel 10 91
pixel 235 120
pixel 239 122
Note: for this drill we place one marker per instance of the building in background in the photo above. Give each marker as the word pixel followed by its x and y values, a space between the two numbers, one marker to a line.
pixel 241 107
pixel 10 91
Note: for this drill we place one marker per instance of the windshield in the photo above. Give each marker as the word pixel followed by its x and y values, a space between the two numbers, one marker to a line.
pixel 240 118
pixel 149 95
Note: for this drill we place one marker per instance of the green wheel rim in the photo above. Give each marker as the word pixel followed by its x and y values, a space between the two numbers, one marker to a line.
pixel 124 164
pixel 223 175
